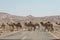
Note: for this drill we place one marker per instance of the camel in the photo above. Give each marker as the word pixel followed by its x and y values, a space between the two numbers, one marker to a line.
pixel 47 26
pixel 2 27
pixel 30 24
pixel 44 25
pixel 11 26
pixel 37 25
pixel 50 26
pixel 18 25
pixel 57 23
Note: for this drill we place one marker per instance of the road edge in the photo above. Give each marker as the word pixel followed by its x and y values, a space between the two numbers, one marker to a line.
pixel 53 35
pixel 8 34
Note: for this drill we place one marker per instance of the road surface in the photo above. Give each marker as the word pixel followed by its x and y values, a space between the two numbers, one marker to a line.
pixel 30 35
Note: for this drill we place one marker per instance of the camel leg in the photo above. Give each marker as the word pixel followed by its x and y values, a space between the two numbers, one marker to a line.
pixel 29 28
pixel 16 28
pixel 52 30
pixel 11 29
pixel 38 27
pixel 45 29
pixel 34 28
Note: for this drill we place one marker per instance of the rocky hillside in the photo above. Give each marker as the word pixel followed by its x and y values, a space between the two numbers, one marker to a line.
pixel 5 17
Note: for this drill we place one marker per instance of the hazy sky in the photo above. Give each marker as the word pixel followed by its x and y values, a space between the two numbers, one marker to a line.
pixel 31 7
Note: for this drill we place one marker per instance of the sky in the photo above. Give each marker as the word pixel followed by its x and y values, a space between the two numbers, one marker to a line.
pixel 31 7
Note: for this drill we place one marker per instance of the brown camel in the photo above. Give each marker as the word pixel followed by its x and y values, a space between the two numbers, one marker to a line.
pixel 44 25
pixel 37 25
pixel 30 24
pixel 18 25
pixel 2 27
pixel 57 23
pixel 50 26
pixel 11 26
pixel 47 26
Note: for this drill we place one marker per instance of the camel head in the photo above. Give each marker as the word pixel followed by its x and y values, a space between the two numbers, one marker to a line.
pixel 41 23
pixel 48 22
pixel 25 23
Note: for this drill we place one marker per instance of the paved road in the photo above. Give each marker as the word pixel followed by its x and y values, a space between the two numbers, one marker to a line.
pixel 30 35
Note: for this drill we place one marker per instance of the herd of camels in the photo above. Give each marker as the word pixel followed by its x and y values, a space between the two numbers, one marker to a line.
pixel 47 26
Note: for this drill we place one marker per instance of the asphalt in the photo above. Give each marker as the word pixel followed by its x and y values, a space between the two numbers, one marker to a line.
pixel 29 35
